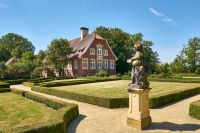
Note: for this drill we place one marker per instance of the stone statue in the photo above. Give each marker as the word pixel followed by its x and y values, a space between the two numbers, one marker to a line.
pixel 138 74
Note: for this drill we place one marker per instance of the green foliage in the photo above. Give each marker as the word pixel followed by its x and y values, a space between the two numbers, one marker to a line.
pixel 194 110
pixel 189 58
pixel 160 100
pixel 102 73
pixel 100 101
pixel 2 69
pixel 4 85
pixel 57 53
pixel 14 45
pixel 122 45
pixel 176 79
pixel 59 121
pixel 79 81
pixel 20 69
pixel 4 90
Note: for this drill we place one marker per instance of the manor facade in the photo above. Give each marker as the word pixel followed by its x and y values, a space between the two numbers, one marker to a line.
pixel 91 53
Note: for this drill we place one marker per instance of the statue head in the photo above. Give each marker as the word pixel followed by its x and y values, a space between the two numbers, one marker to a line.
pixel 138 46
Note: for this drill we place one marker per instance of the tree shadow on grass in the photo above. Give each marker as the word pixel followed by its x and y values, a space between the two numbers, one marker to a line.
pixel 174 127
pixel 72 127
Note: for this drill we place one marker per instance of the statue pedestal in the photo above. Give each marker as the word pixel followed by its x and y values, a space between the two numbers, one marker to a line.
pixel 139 113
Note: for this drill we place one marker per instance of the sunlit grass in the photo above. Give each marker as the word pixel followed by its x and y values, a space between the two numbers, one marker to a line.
pixel 117 89
pixel 17 112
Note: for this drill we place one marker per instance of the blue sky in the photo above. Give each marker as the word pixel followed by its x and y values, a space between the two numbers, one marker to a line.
pixel 169 24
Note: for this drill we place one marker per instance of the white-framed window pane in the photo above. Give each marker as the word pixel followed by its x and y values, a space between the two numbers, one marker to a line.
pixel 92 64
pixel 105 52
pixel 105 63
pixel 92 51
pixel 99 51
pixel 75 64
pixel 99 63
pixel 112 65
pixel 85 63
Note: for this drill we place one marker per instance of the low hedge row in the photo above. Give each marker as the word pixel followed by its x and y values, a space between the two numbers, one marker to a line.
pixel 183 80
pixel 3 90
pixel 76 82
pixel 4 85
pixel 58 122
pixel 194 110
pixel 156 101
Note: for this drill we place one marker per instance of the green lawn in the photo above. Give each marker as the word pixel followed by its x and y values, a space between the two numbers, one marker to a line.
pixel 64 80
pixel 117 89
pixel 18 112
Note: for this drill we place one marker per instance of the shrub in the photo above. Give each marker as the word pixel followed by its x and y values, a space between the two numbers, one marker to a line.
pixel 3 90
pixel 58 122
pixel 102 73
pixel 119 75
pixel 158 101
pixel 4 85
pixel 100 101
pixel 194 110
pixel 76 82
pixel 197 71
pixel 155 101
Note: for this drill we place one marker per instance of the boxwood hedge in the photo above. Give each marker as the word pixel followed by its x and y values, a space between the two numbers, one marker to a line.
pixel 58 122
pixel 76 82
pixel 4 85
pixel 155 101
pixel 194 110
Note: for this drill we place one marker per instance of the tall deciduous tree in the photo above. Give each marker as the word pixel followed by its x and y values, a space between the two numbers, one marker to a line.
pixel 14 45
pixel 122 44
pixel 57 53
pixel 189 58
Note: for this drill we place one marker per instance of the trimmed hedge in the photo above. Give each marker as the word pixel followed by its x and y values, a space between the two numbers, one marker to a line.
pixel 194 110
pixel 58 122
pixel 4 90
pixel 183 80
pixel 77 82
pixel 4 85
pixel 159 101
pixel 156 101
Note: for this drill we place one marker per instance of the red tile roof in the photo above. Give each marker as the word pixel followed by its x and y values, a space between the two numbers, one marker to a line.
pixel 80 46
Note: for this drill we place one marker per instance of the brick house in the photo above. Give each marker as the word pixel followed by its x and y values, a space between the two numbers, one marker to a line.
pixel 91 53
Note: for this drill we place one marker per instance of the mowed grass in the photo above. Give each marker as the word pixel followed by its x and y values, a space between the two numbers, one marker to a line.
pixel 118 89
pixel 19 112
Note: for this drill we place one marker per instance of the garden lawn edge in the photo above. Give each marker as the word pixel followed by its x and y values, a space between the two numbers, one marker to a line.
pixel 155 101
pixel 59 121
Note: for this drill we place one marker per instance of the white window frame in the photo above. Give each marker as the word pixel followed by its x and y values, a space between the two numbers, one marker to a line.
pixel 99 63
pixel 105 52
pixel 75 64
pixel 112 64
pixel 99 51
pixel 85 63
pixel 92 64
pixel 105 62
pixel 92 51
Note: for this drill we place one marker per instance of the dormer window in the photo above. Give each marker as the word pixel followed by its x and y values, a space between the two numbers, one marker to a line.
pixel 105 52
pixel 99 51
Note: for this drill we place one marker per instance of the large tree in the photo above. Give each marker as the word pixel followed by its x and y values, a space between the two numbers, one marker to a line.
pixel 122 44
pixel 188 59
pixel 57 53
pixel 14 45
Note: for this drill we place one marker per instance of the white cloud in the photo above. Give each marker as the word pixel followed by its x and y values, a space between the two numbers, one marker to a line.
pixel 163 16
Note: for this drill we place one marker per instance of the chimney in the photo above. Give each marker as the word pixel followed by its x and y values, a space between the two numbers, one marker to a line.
pixel 84 32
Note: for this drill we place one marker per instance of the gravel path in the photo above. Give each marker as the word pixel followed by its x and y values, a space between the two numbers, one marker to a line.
pixel 95 119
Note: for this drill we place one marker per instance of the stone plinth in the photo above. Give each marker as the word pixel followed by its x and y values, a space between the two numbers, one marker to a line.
pixel 139 113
